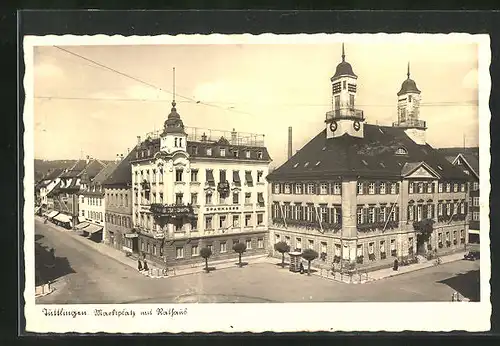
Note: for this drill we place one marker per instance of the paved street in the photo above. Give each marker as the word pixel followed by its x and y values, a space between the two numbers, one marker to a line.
pixel 87 276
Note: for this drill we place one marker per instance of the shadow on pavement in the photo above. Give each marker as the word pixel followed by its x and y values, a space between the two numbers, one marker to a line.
pixel 466 284
pixel 38 237
pixel 49 267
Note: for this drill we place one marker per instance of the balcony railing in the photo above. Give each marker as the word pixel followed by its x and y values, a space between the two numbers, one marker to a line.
pixel 197 134
pixel 345 113
pixel 410 123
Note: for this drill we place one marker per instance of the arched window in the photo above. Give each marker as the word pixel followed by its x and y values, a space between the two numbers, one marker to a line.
pixel 180 142
pixel 175 142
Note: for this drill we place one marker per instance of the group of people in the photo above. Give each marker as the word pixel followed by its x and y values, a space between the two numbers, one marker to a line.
pixel 141 267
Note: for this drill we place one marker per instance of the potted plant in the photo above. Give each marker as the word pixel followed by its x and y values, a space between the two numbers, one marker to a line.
pixel 323 256
pixel 309 255
pixel 440 245
pixel 359 259
pixel 448 243
pixel 336 259
pixel 383 255
pixel 393 253
pixel 371 256
pixel 282 248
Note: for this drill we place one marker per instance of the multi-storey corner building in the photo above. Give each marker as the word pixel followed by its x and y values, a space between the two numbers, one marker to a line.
pixel 65 195
pixel 91 202
pixel 360 194
pixel 118 230
pixel 467 159
pixel 194 188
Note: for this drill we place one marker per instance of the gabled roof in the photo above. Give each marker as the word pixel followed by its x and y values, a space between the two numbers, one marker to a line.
pixel 374 155
pixel 92 169
pixel 470 160
pixel 122 173
pixel 51 175
pixel 410 167
pixel 74 169
pixel 105 172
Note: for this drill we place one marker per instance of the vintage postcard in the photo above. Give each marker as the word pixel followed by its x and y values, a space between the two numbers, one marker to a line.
pixel 234 183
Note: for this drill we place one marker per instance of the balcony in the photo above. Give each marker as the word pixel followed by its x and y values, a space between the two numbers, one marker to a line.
pixel 345 113
pixel 172 210
pixel 411 123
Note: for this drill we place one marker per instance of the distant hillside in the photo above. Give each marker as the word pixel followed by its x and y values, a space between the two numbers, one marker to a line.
pixel 42 167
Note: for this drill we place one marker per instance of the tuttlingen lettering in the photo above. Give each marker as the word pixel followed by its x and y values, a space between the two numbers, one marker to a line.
pixel 171 312
pixel 63 312
pixel 114 312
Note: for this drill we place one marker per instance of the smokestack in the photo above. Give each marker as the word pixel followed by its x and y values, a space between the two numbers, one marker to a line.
pixel 138 140
pixel 289 142
pixel 234 137
pixel 117 157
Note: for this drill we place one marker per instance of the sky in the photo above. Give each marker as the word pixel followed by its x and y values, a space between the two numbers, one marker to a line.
pixel 83 108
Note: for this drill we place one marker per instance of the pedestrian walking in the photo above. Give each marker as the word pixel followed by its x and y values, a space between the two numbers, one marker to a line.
pixel 146 265
pixel 396 264
pixel 139 265
pixel 301 268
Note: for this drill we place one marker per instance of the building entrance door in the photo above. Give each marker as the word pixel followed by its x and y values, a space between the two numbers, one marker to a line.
pixel 135 245
pixel 421 244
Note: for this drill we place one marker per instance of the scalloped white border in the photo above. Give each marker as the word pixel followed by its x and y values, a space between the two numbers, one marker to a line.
pixel 257 318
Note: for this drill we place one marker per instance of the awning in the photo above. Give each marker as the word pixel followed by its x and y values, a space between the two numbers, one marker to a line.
pixel 81 218
pixel 62 218
pixel 131 235
pixel 236 178
pixel 82 225
pixel 91 229
pixel 248 178
pixel 52 214
pixel 210 177
pixel 473 231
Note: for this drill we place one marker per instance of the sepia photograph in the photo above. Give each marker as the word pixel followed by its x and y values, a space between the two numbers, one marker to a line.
pixel 168 173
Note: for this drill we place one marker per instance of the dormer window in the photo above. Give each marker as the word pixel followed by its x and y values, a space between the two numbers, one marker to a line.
pixel 175 142
pixel 259 155
pixel 318 163
pixel 180 142
pixel 409 98
pixel 247 154
pixel 296 165
pixel 401 151
pixel 306 164
pixel 209 151
pixel 222 152
pixel 235 153
pixel 194 150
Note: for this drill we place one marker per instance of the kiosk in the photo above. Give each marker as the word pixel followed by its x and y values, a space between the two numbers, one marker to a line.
pixel 295 259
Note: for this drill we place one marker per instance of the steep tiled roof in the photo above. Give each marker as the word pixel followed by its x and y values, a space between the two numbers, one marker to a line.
pixel 372 156
pixel 198 149
pixel 472 161
pixel 53 174
pixel 92 169
pixel 74 170
pixel 105 172
pixel 122 174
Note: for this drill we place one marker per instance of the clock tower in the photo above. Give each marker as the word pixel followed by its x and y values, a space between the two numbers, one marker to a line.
pixel 344 118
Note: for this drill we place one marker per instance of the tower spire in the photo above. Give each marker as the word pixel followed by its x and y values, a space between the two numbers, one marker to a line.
pixel 173 93
pixel 343 52
pixel 408 73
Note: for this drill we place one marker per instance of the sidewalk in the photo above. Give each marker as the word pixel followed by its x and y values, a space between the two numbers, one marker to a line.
pixel 154 271
pixel 386 272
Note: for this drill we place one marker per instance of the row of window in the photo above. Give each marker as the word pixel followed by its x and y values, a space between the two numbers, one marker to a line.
pixel 144 175
pixel 211 221
pixel 308 188
pixel 222 199
pixel 93 215
pixel 368 215
pixel 298 244
pixel 97 201
pixel 119 220
pixel 117 199
pixel 429 187
pixel 377 188
pixel 208 151
pixel 307 213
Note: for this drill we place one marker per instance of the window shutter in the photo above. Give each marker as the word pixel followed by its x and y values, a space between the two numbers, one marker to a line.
pixel 365 187
pixel 377 188
pixel 365 215
pixel 408 217
pixel 377 213
pixel 396 213
pixel 317 185
pixel 425 187
pixel 397 188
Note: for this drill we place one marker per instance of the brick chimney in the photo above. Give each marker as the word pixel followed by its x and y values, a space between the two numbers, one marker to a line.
pixel 138 140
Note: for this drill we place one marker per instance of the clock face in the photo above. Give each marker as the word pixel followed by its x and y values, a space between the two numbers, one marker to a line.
pixel 356 125
pixel 333 126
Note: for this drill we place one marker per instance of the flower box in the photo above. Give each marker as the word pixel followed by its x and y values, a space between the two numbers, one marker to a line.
pixel 440 245
pixel 462 240
pixel 448 243
pixel 371 257
pixel 383 255
pixel 336 259
pixel 454 242
pixel 322 256
pixel 429 247
pixel 393 253
pixel 359 259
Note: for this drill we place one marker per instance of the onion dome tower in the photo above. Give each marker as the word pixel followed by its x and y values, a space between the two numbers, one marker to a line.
pixel 174 137
pixel 344 118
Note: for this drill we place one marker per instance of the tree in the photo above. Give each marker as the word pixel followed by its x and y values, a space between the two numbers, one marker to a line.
pixel 206 253
pixel 424 229
pixel 282 248
pixel 239 248
pixel 309 255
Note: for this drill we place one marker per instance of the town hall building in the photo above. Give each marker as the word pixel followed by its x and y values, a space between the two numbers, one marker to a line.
pixel 361 195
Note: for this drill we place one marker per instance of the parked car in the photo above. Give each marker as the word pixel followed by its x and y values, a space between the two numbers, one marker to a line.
pixel 472 255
